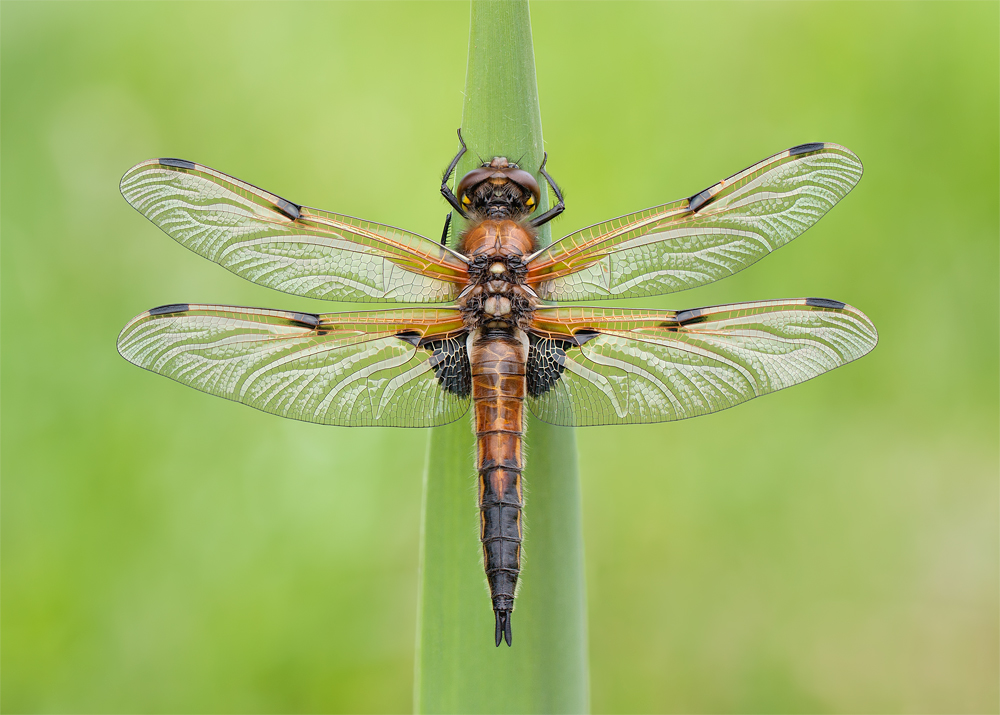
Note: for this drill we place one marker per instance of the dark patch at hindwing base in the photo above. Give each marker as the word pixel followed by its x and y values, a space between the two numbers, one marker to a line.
pixel 450 361
pixel 410 336
pixel 449 358
pixel 546 362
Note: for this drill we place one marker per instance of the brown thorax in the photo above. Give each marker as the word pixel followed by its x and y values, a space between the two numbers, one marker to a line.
pixel 497 296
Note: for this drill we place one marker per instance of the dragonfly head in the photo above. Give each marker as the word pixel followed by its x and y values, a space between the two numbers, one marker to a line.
pixel 499 190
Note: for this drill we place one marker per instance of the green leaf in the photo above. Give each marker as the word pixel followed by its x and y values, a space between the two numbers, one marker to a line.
pixel 458 669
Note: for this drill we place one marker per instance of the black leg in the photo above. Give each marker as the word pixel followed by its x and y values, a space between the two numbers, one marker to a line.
pixel 560 204
pixel 444 234
pixel 445 189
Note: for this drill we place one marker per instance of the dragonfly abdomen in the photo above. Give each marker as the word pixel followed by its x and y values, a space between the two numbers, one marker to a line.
pixel 498 391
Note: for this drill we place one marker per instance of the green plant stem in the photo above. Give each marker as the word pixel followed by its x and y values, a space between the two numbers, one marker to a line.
pixel 458 669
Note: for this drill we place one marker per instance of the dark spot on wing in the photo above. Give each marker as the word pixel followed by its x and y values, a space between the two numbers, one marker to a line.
pixel 172 308
pixel 309 320
pixel 825 303
pixel 450 361
pixel 700 199
pixel 410 336
pixel 583 336
pixel 689 317
pixel 178 163
pixel 288 208
pixel 805 148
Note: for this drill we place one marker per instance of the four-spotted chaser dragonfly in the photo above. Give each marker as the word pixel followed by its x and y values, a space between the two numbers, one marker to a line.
pixel 499 342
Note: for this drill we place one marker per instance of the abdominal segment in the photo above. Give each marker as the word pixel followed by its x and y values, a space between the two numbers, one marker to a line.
pixel 498 391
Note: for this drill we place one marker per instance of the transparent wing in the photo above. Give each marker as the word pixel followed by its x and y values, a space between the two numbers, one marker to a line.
pixel 589 366
pixel 694 241
pixel 275 243
pixel 351 369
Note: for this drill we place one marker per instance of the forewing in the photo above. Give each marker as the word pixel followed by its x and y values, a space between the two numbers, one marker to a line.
pixel 694 241
pixel 589 366
pixel 276 243
pixel 350 369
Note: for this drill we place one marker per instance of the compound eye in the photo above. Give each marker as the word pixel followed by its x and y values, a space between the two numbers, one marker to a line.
pixel 466 200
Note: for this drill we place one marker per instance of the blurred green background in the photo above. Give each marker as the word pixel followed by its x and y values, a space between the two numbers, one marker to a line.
pixel 832 548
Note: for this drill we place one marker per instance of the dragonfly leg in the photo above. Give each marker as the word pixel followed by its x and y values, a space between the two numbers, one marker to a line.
pixel 444 233
pixel 445 189
pixel 560 204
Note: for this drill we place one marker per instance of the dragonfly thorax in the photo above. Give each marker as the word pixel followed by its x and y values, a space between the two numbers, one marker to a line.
pixel 502 238
pixel 497 295
pixel 497 304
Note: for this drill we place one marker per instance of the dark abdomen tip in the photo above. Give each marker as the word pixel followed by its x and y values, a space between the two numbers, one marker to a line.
pixel 503 627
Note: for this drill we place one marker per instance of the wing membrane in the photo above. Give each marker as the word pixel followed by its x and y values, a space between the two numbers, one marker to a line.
pixel 690 242
pixel 275 243
pixel 634 366
pixel 347 369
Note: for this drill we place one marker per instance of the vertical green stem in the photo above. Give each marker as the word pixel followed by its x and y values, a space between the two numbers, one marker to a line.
pixel 458 669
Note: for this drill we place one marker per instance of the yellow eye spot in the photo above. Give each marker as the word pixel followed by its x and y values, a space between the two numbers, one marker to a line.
pixel 466 200
pixel 530 201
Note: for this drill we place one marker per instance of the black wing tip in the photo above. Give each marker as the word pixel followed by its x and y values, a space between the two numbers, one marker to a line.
pixel 170 309
pixel 806 148
pixel 288 208
pixel 292 211
pixel 503 627
pixel 308 320
pixel 698 200
pixel 825 303
pixel 177 163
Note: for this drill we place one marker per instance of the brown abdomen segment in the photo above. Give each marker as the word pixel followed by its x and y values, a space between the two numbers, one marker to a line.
pixel 498 391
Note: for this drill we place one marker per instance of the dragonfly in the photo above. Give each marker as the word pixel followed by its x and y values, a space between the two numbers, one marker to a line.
pixel 481 325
